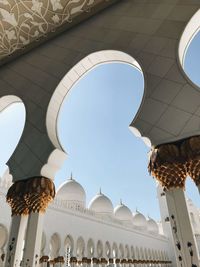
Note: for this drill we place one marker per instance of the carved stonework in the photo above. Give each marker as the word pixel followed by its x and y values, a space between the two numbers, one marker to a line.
pixel 15 198
pixel 59 259
pixel 171 163
pixel 30 195
pixel 73 260
pixel 44 259
pixel 23 22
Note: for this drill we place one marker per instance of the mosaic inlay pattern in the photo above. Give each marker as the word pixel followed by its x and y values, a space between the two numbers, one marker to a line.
pixel 24 21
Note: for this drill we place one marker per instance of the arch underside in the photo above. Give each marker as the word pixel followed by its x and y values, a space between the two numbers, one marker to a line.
pixel 149 32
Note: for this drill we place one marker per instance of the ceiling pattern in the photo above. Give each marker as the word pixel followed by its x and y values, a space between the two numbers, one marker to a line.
pixel 25 21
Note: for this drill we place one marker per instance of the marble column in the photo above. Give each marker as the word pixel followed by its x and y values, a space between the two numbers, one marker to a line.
pixel 170 164
pixel 39 192
pixel 16 240
pixel 181 227
pixel 33 239
pixel 94 262
pixel 15 198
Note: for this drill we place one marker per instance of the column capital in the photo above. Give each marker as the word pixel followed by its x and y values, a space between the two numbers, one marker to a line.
pixel 171 163
pixel 30 195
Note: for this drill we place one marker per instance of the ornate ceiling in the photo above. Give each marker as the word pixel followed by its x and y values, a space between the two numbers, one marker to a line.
pixel 24 22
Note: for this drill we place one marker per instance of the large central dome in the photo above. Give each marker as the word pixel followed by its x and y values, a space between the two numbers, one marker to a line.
pixel 72 191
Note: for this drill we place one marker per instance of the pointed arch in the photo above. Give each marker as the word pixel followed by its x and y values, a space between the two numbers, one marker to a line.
pixel 115 250
pixel 80 247
pixel 72 77
pixel 90 248
pixel 55 244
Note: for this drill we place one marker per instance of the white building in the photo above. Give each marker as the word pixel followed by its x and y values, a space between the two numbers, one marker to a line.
pixel 98 233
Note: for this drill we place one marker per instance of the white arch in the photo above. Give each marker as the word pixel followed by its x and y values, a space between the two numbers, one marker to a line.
pixel 127 252
pixel 55 244
pixel 145 254
pixel 54 163
pixel 3 236
pixel 107 249
pixel 72 77
pixel 69 243
pixel 8 100
pixel 132 252
pixel 90 248
pixel 188 34
pixel 99 249
pixel 149 254
pixel 80 247
pixel 43 243
pixel 137 253
pixel 121 251
pixel 142 254
pixel 114 250
pixel 5 102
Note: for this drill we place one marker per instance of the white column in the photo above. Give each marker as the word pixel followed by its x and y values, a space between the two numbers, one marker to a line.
pixel 165 223
pixel 16 240
pixel 33 240
pixel 1 262
pixel 46 251
pixel 181 227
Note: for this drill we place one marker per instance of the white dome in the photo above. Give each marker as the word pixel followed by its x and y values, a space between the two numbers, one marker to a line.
pixel 101 204
pixel 139 220
pixel 122 212
pixel 152 226
pixel 71 191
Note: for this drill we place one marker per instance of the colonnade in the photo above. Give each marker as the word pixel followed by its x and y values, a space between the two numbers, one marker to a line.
pixel 102 262
pixel 28 200
pixel 170 164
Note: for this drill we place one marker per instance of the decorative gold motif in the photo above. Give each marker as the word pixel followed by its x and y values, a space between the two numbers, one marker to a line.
pixel 73 260
pixel 89 261
pixel 44 259
pixel 104 261
pixel 171 163
pixel 22 22
pixel 117 261
pixel 84 260
pixel 30 195
pixel 59 259
pixel 94 260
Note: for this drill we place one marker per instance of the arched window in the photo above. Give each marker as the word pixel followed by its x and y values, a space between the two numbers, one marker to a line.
pixel 68 248
pixel 55 244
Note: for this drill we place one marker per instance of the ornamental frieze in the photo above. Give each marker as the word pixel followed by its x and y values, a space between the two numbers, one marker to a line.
pixel 25 21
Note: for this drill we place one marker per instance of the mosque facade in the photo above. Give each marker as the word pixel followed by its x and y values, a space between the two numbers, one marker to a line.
pixel 46 46
pixel 98 234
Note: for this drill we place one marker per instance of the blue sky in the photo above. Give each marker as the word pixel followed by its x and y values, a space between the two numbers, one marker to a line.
pixel 12 123
pixel 192 60
pixel 93 129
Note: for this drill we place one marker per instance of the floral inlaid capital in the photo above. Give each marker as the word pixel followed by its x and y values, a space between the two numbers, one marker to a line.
pixel 25 21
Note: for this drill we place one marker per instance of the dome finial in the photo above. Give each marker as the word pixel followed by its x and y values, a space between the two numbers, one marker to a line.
pixel 71 177
pixel 121 203
pixel 100 193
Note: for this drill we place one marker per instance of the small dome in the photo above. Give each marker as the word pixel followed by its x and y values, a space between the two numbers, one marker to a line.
pixel 71 191
pixel 122 212
pixel 139 220
pixel 101 204
pixel 152 226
